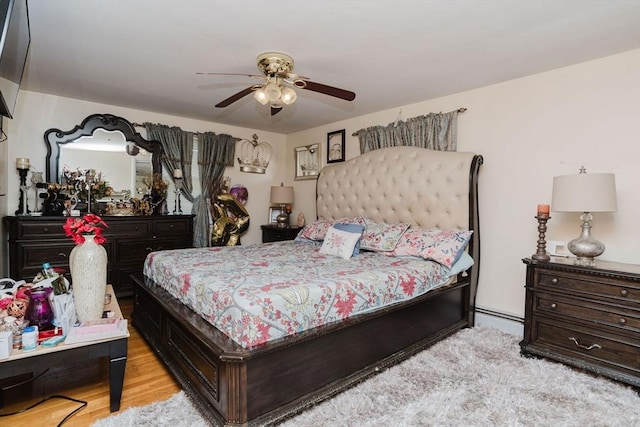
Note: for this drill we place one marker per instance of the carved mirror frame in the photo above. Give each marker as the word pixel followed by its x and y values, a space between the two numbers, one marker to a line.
pixel 54 138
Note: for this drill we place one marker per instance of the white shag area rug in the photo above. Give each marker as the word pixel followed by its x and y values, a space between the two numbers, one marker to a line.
pixel 474 378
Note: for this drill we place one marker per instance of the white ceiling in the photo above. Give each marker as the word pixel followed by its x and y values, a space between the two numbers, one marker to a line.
pixel 144 54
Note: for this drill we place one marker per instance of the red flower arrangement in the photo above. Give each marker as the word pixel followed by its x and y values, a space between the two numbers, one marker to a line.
pixel 88 224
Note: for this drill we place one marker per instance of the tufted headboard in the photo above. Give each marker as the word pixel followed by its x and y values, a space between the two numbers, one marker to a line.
pixel 426 188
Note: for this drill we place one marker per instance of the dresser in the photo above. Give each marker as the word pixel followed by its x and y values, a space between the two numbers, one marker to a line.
pixel 273 233
pixel 586 317
pixel 34 240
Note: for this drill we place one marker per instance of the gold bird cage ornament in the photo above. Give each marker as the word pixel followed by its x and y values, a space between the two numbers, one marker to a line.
pixel 254 156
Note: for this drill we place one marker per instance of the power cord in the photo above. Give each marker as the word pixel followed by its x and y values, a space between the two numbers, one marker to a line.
pixel 53 396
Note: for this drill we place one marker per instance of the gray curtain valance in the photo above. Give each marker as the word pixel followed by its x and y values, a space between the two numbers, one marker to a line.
pixel 435 131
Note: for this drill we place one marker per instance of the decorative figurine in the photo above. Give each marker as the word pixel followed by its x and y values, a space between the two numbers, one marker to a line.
pixel 300 221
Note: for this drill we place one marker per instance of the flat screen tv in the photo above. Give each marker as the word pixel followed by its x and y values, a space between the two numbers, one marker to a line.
pixel 14 47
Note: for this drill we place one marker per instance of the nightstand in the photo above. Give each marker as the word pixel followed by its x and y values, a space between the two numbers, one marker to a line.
pixel 271 233
pixel 586 317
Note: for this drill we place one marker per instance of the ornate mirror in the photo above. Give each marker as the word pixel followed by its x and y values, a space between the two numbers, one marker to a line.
pixel 121 154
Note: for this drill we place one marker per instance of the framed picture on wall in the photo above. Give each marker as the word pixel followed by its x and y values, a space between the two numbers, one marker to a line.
pixel 335 146
pixel 307 160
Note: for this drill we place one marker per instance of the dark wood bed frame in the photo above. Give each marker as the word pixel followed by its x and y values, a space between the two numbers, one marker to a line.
pixel 235 386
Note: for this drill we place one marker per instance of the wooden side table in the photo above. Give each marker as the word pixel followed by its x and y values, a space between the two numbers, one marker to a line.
pixel 115 348
pixel 272 233
pixel 587 317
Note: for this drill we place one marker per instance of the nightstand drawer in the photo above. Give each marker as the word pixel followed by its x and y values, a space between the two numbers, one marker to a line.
pixel 589 285
pixel 588 311
pixel 590 345
pixel 271 233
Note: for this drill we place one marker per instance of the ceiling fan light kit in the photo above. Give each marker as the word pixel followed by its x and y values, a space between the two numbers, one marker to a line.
pixel 277 69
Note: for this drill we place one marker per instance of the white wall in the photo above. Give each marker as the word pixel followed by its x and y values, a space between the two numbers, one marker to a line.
pixel 530 130
pixel 37 112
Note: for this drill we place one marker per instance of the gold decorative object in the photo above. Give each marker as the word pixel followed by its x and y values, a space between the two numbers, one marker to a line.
pixel 231 220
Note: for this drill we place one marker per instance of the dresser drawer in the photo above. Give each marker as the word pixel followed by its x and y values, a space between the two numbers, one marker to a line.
pixel 589 284
pixel 35 254
pixel 128 227
pixel 617 316
pixel 40 230
pixel 172 227
pixel 590 345
pixel 134 252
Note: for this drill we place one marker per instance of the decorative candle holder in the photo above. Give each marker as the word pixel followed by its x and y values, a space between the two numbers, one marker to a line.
pixel 177 209
pixel 90 177
pixel 541 252
pixel 23 208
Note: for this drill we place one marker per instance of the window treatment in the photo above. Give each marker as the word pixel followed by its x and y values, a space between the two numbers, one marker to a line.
pixel 435 131
pixel 215 153
pixel 177 152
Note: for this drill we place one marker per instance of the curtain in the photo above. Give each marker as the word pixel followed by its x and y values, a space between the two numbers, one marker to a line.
pixel 177 152
pixel 215 153
pixel 435 131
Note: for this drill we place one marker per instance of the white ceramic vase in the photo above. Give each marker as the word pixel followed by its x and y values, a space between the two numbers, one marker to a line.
pixel 88 264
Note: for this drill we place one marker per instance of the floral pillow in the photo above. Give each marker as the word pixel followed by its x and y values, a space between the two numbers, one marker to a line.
pixel 382 237
pixel 339 242
pixel 317 229
pixel 441 246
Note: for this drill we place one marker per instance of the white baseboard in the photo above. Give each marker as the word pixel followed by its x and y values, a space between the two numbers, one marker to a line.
pixel 502 321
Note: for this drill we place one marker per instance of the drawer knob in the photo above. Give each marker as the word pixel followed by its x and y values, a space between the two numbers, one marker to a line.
pixel 591 347
pixel 148 249
pixel 622 321
pixel 624 292
pixel 554 305
pixel 554 281
pixel 46 230
pixel 62 255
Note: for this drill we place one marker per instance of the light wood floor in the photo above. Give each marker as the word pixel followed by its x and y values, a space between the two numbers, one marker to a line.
pixel 146 381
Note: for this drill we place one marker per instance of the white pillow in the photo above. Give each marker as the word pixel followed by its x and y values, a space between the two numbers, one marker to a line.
pixel 339 243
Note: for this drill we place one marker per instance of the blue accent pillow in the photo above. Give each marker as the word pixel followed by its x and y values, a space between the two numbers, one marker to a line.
pixel 351 228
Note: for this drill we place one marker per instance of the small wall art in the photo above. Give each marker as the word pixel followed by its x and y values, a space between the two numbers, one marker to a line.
pixel 335 146
pixel 307 160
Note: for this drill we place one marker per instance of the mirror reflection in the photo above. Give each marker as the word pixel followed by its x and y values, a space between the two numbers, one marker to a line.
pixel 119 166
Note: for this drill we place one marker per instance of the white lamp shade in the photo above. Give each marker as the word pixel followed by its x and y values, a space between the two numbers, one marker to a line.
pixel 585 192
pixel 281 195
pixel 261 96
pixel 272 91
pixel 288 96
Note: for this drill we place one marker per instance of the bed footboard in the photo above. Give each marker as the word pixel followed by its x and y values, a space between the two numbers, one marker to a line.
pixel 235 386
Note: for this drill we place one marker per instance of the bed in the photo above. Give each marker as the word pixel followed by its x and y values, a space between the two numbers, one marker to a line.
pixel 235 382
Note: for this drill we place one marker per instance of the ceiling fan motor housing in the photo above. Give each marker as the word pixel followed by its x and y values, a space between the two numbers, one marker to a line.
pixel 274 63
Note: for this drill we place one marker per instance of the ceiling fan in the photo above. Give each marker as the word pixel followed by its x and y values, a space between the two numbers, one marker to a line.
pixel 278 83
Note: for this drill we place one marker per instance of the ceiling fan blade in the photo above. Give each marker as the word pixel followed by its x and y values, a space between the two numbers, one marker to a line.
pixel 233 98
pixel 327 90
pixel 275 110
pixel 232 74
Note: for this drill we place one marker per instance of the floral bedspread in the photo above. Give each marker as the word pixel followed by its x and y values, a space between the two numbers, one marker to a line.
pixel 259 293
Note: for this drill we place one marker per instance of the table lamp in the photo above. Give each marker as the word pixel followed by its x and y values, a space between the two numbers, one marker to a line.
pixel 586 193
pixel 282 196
